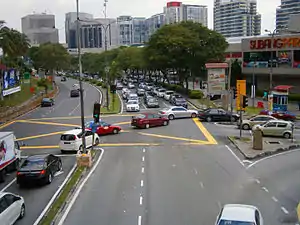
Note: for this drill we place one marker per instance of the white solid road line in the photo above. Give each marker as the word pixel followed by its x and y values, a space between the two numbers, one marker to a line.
pixel 235 156
pixel 265 189
pixel 8 185
pixel 141 200
pixel 201 184
pixel 139 220
pixel 38 220
pixel 142 183
pixel 143 158
pixel 274 199
pixel 144 150
pixel 271 156
pixel 64 216
pixel 284 210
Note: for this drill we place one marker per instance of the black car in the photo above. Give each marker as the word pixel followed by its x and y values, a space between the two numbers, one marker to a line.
pixel 74 93
pixel 38 168
pixel 63 79
pixel 219 115
pixel 152 102
pixel 47 102
pixel 178 100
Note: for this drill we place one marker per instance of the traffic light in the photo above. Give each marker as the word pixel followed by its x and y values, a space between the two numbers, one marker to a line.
pixel 245 101
pixel 234 93
pixel 96 112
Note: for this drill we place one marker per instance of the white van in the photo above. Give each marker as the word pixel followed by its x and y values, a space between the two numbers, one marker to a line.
pixel 72 140
pixel 12 208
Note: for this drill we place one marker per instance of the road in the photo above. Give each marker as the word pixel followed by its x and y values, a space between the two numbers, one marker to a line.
pixel 177 180
pixel 36 198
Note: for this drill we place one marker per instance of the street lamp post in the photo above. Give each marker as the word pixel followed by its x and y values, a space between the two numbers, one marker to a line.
pixel 105 49
pixel 80 78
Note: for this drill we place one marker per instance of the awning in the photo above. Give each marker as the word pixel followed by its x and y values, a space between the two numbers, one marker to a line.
pixel 282 88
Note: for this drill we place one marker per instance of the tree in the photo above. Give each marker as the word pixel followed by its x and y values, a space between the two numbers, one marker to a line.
pixel 43 83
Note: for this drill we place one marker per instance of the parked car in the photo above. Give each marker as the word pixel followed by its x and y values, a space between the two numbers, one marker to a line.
pixel 247 124
pixel 119 86
pixel 47 102
pixel 283 115
pixel 219 115
pixel 238 214
pixel 276 128
pixel 155 90
pixel 72 140
pixel 161 92
pixel 178 100
pixel 131 85
pixel 74 93
pixel 152 102
pixel 104 128
pixel 147 120
pixel 38 168
pixel 175 112
pixel 132 106
pixel 12 208
pixel 133 96
pixel 147 95
pixel 149 87
pixel 140 92
pixel 168 94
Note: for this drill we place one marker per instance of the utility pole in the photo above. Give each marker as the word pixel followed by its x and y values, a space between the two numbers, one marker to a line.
pixel 229 86
pixel 105 49
pixel 253 84
pixel 80 78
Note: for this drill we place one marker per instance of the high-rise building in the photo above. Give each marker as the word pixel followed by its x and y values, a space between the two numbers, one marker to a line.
pixel 70 26
pixel 173 12
pixel 40 28
pixel 236 18
pixel 285 11
pixel 153 24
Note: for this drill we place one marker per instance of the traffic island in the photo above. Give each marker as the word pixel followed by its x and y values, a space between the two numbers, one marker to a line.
pixel 84 159
pixel 271 146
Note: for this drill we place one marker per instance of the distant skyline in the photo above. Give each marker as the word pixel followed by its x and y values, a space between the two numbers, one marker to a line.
pixel 115 8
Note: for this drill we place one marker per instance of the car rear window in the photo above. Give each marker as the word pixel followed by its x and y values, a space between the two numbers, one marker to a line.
pixel 234 222
pixel 33 163
pixel 68 137
pixel 169 92
pixel 140 116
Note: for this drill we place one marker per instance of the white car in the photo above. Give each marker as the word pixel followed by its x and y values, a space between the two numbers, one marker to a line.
pixel 132 106
pixel 133 96
pixel 161 92
pixel 72 140
pixel 131 86
pixel 168 94
pixel 175 112
pixel 12 208
pixel 125 90
pixel 236 214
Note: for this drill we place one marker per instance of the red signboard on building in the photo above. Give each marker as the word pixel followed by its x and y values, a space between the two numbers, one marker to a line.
pixel 278 43
pixel 174 4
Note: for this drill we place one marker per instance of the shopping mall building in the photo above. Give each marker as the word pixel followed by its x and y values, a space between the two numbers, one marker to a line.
pixel 255 55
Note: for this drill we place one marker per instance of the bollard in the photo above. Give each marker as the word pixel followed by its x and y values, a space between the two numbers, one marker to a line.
pixel 257 139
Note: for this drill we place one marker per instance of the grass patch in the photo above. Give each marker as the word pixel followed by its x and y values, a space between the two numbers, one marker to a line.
pixel 62 198
pixel 208 103
pixel 253 110
pixel 114 104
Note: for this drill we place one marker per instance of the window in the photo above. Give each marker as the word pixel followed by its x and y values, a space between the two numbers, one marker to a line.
pixel 281 124
pixel 89 133
pixel 156 116
pixel 10 199
pixel 140 116
pixel 222 112
pixel 68 137
pixel 271 124
pixel 150 116
pixel 257 217
pixel 261 119
pixel 213 111
pixel 3 205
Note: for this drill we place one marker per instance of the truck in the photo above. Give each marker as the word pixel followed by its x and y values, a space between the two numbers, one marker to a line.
pixel 10 154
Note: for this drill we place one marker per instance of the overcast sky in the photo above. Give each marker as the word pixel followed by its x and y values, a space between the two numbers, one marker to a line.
pixel 12 10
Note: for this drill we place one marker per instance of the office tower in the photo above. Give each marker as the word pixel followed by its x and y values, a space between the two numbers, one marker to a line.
pixel 40 28
pixel 286 12
pixel 235 18
pixel 153 24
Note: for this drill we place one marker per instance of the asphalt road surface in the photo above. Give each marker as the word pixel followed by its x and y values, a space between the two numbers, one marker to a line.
pixel 37 197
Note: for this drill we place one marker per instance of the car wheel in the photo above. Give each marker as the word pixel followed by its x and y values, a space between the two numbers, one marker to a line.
pixel 171 117
pixel 246 127
pixel 22 212
pixel 96 142
pixel 49 178
pixel 147 126
pixel 115 131
pixel 287 135
pixel 165 123
pixel 209 119
pixel 194 115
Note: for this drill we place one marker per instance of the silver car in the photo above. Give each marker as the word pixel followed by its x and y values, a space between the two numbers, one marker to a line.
pixel 175 112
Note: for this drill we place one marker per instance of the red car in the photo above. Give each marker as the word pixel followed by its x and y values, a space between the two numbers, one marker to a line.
pixel 282 115
pixel 105 128
pixel 146 120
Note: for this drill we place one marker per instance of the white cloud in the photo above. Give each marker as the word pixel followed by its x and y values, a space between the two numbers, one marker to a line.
pixel 12 10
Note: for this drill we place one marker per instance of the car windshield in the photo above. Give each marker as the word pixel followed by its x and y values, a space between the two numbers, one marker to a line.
pixel 140 116
pixel 33 164
pixel 169 92
pixel 152 100
pixel 46 99
pixel 180 99
pixel 234 222
pixel 132 102
pixel 162 90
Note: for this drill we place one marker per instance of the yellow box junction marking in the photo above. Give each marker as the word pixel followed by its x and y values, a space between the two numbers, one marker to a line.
pixel 40 135
pixel 205 132
pixel 7 124
pixel 78 117
pixel 48 123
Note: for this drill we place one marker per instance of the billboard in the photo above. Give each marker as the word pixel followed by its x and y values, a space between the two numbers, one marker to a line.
pixel 216 80
pixel 11 82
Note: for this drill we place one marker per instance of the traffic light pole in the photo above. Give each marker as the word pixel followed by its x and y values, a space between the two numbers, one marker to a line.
pixel 241 115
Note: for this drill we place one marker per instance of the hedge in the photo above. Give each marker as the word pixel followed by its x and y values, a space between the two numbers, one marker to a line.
pixel 193 94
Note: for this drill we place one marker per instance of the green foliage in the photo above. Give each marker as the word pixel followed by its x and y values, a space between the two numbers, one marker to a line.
pixel 43 82
pixel 195 94
pixel 99 83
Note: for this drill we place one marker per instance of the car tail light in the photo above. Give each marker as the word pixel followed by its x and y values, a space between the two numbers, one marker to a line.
pixel 43 172
pixel 18 173
pixel 163 112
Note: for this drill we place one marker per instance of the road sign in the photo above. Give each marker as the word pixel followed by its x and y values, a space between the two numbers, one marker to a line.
pixel 241 91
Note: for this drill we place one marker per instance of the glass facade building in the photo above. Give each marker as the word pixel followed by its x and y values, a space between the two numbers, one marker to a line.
pixel 284 12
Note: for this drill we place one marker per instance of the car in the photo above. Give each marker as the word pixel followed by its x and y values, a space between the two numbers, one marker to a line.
pixel 147 95
pixel 217 115
pixel 147 120
pixel 283 115
pixel 12 208
pixel 76 86
pixel 152 102
pixel 276 128
pixel 168 94
pixel 104 128
pixel 175 112
pixel 125 90
pixel 149 87
pixel 178 100
pixel 142 86
pixel 131 86
pixel 72 140
pixel 119 86
pixel 132 96
pixel 140 92
pixel 47 102
pixel 74 93
pixel 38 168
pixel 238 214
pixel 247 124
pixel 155 90
pixel 132 106
pixel 161 92
pixel 63 79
